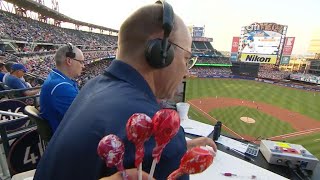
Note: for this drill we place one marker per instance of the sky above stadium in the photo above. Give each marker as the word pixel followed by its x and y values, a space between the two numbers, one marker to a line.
pixel 223 19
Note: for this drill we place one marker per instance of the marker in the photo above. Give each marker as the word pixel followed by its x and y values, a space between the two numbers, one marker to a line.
pixel 228 174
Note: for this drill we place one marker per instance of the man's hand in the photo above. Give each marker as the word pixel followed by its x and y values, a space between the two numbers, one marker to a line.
pixel 201 141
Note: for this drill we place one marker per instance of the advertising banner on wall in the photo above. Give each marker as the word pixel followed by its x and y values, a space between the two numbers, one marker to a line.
pixel 258 58
pixel 235 44
pixel 234 57
pixel 285 60
pixel 288 46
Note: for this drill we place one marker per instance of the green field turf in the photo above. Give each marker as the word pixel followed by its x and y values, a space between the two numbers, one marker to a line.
pixel 230 116
pixel 311 142
pixel 303 102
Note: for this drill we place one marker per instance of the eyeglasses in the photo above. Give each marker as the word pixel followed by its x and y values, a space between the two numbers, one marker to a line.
pixel 81 62
pixel 192 60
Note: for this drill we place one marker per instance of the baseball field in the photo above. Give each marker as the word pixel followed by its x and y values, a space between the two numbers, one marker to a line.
pixel 255 110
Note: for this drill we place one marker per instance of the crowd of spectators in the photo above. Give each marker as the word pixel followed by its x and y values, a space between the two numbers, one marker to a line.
pixel 209 71
pixel 25 29
pixel 269 71
pixel 39 65
pixel 213 60
pixel 92 70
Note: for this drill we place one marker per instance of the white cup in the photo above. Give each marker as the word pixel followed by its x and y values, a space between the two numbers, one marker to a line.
pixel 183 109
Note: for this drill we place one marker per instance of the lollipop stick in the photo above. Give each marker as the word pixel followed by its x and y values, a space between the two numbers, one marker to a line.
pixel 153 167
pixel 124 175
pixel 140 172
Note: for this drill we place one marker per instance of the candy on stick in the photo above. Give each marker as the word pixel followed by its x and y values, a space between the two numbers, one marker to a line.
pixel 111 150
pixel 166 124
pixel 139 129
pixel 194 161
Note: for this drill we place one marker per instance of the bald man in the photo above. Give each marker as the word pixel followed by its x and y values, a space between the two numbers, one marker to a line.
pixel 129 85
pixel 59 89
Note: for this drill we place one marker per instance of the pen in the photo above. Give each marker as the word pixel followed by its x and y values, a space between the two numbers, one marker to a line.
pixel 231 174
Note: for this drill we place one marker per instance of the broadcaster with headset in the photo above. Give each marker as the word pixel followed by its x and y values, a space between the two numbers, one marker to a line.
pixel 59 89
pixel 152 59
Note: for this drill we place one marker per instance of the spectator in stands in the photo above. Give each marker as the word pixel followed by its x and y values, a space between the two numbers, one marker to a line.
pixel 7 66
pixel 3 71
pixel 129 85
pixel 14 80
pixel 59 89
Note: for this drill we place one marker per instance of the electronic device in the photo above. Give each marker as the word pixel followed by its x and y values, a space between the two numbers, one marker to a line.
pixel 279 153
pixel 159 52
pixel 252 150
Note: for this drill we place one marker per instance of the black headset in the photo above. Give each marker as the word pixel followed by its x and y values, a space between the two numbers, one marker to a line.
pixel 70 53
pixel 159 52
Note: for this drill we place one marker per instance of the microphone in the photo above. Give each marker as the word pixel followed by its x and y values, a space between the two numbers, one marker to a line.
pixel 217 131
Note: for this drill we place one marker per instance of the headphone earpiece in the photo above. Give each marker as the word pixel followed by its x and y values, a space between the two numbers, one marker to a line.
pixel 154 54
pixel 70 53
pixel 159 53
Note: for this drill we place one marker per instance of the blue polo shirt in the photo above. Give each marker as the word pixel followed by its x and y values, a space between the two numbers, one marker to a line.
pixel 1 76
pixel 103 107
pixel 57 93
pixel 14 82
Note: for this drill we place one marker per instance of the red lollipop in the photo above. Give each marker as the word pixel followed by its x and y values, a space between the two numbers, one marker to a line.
pixel 139 130
pixel 166 123
pixel 194 161
pixel 111 149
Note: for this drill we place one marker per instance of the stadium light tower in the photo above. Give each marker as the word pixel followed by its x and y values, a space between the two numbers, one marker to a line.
pixel 40 16
pixel 55 5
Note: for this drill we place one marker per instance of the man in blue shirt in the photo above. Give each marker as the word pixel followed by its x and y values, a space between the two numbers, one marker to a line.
pixel 14 80
pixel 129 85
pixel 2 71
pixel 59 89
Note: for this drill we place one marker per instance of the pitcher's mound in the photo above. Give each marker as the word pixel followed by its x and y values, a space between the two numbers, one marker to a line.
pixel 247 120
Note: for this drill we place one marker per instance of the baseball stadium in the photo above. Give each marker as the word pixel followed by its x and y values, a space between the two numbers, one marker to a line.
pixel 258 90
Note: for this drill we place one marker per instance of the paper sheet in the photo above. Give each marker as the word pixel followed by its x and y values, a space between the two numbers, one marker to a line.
pixel 232 144
pixel 224 162
pixel 197 128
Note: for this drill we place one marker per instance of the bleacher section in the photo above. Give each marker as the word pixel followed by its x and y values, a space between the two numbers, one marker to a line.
pixel 13 27
pixel 200 48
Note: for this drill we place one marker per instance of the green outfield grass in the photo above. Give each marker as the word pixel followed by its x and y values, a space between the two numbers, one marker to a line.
pixel 311 142
pixel 303 102
pixel 263 127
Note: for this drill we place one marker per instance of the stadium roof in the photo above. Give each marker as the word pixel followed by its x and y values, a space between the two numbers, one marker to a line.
pixel 50 13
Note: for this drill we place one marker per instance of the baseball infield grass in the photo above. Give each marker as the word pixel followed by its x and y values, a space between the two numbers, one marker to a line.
pixel 230 116
pixel 303 102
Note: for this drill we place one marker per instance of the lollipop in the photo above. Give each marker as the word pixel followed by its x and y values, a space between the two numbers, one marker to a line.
pixel 139 130
pixel 196 160
pixel 111 149
pixel 166 123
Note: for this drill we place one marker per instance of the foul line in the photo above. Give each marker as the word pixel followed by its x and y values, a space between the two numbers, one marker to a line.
pixel 215 119
pixel 298 133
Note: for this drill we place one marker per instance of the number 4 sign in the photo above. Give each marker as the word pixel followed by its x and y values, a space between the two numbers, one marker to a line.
pixel 25 153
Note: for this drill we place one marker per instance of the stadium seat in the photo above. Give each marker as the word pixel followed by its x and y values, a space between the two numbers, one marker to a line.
pixel 24 175
pixel 43 126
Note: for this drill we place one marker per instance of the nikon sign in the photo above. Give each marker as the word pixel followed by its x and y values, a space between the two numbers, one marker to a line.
pixel 257 58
